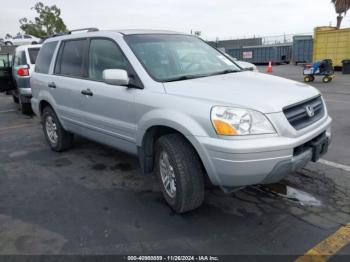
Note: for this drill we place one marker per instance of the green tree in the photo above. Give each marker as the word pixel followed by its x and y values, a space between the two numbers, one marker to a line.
pixel 341 7
pixel 47 22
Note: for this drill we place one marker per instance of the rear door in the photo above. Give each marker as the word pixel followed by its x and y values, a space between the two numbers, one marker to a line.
pixel 67 81
pixel 6 80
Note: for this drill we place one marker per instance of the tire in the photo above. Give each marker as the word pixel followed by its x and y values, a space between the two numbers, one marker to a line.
pixel 25 108
pixel 34 43
pixel 185 170
pixel 326 79
pixel 15 99
pixel 312 78
pixel 8 43
pixel 64 139
pixel 307 79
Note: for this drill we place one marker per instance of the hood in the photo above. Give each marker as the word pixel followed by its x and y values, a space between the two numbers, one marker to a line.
pixel 261 92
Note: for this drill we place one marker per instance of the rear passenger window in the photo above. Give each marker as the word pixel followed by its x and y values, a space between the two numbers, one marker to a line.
pixel 104 54
pixel 43 60
pixel 20 58
pixel 71 58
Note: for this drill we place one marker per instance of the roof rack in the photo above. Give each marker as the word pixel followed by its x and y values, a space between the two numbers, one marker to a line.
pixel 88 29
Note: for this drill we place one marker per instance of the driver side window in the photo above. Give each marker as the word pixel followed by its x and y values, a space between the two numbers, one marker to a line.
pixel 104 54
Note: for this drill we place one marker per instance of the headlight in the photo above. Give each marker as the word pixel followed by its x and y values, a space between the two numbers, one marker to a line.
pixel 230 121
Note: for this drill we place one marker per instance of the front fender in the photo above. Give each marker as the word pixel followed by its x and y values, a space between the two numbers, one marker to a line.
pixel 185 125
pixel 179 121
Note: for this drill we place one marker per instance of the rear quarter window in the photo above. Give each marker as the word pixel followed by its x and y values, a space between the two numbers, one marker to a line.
pixel 45 55
pixel 33 54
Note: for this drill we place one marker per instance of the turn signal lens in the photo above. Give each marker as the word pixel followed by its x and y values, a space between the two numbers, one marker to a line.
pixel 223 128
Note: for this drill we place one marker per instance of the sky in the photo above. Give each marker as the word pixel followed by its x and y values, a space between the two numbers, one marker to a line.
pixel 223 19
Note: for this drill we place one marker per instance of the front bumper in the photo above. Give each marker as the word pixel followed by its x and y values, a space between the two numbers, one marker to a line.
pixel 234 163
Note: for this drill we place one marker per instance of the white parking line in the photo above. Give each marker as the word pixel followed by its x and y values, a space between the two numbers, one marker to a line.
pixel 337 101
pixel 8 111
pixel 336 165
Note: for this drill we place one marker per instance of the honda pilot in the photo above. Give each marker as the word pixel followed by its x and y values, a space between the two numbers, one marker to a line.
pixel 185 109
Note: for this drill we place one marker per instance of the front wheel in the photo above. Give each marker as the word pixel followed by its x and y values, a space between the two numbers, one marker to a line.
pixel 8 43
pixel 58 138
pixel 180 173
pixel 327 79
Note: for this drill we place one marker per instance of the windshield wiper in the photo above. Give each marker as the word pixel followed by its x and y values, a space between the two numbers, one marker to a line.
pixel 184 77
pixel 227 71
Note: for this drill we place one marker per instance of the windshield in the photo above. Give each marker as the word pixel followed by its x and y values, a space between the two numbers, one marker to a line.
pixel 178 57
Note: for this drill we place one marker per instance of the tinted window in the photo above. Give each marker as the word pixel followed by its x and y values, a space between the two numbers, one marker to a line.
pixel 33 53
pixel 27 36
pixel 44 57
pixel 71 59
pixel 5 60
pixel 104 54
pixel 20 58
pixel 18 37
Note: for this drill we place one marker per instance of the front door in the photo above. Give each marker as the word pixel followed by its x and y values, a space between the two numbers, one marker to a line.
pixel 6 80
pixel 109 109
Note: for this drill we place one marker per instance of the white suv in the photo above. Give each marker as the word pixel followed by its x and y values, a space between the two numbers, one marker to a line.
pixel 23 66
pixel 187 111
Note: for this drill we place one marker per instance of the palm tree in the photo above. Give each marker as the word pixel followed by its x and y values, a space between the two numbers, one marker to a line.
pixel 341 7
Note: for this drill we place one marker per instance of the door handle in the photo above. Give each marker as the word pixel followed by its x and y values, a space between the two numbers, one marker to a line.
pixel 87 92
pixel 51 85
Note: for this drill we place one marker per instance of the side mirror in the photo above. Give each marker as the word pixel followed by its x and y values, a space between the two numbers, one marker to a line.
pixel 118 77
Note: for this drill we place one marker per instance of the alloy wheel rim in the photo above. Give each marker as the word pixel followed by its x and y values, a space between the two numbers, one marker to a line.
pixel 51 129
pixel 167 174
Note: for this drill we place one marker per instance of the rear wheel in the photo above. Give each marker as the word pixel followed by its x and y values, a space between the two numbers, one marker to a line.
pixel 8 43
pixel 307 79
pixel 58 138
pixel 15 99
pixel 25 108
pixel 180 174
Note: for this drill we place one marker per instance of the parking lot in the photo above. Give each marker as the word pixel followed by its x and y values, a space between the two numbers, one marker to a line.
pixel 94 200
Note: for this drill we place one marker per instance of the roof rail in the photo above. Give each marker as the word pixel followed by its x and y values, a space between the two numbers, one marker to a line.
pixel 89 29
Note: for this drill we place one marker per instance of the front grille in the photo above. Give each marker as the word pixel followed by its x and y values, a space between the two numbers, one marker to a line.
pixel 298 116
